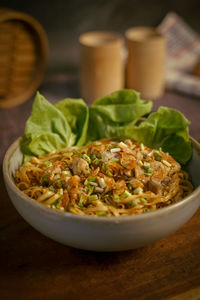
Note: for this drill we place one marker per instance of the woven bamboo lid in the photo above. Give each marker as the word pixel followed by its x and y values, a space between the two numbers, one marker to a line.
pixel 23 57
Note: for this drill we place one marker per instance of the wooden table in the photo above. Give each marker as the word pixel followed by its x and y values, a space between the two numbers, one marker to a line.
pixel 34 267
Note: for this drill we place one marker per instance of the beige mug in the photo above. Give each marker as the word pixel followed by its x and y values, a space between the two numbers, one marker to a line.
pixel 146 61
pixel 101 64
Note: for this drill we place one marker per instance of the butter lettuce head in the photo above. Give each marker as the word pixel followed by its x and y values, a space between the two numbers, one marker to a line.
pixel 123 113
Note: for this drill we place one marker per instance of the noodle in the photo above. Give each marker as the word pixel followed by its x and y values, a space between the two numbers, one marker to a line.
pixel 110 177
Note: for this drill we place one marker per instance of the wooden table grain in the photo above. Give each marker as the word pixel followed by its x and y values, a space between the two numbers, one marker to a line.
pixel 34 267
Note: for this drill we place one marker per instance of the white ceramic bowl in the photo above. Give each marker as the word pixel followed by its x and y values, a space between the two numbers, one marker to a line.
pixel 102 233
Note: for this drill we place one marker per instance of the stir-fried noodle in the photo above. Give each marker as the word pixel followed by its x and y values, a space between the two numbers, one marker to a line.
pixel 107 178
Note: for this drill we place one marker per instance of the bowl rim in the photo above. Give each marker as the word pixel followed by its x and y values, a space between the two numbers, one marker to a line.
pixel 111 219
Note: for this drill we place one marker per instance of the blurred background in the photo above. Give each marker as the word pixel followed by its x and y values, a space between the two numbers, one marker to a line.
pixel 64 21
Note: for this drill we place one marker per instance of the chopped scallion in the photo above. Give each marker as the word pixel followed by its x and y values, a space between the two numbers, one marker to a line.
pixel 113 146
pixel 157 155
pixel 96 162
pixel 48 163
pixel 166 163
pixel 82 197
pixel 126 194
pixel 138 191
pixel 149 172
pixel 115 196
pixel 143 200
pixel 93 198
pixel 134 203
pixel 93 156
pixel 146 164
pixel 114 159
pixel 102 213
pixel 89 189
pixel 109 173
pixel 105 166
pixel 86 157
pixel 91 179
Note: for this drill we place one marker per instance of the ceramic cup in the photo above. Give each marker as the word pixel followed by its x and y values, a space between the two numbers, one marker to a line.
pixel 101 64
pixel 146 61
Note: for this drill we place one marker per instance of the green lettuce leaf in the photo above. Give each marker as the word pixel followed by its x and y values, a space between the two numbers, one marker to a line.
pixel 76 113
pixel 46 129
pixel 112 114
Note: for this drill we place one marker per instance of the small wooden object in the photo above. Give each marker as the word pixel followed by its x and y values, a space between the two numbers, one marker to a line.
pixel 101 64
pixel 23 57
pixel 196 71
pixel 146 61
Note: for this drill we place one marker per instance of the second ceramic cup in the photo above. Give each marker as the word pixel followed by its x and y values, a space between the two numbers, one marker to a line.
pixel 146 61
pixel 101 64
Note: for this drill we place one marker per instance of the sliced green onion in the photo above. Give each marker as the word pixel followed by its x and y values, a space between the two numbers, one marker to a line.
pixel 99 155
pixel 91 179
pixel 138 191
pixel 89 189
pixel 126 194
pixel 147 210
pixel 82 197
pixel 48 163
pixel 166 163
pixel 146 164
pixel 102 213
pixel 115 150
pixel 149 172
pixel 86 157
pixel 109 173
pixel 93 197
pixel 113 146
pixel 115 196
pixel 143 200
pixel 105 166
pixel 114 159
pixel 66 172
pixel 134 203
pixel 93 156
pixel 96 162
pixel 157 155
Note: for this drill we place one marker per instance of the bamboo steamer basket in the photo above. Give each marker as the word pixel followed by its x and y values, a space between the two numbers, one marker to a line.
pixel 23 57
